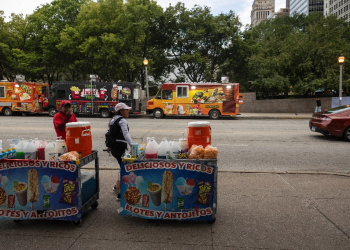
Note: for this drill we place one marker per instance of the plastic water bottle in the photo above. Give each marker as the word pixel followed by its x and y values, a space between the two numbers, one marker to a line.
pixel 51 153
pixel 3 154
pixel 183 142
pixel 151 150
pixel 30 151
pixel 41 150
pixel 164 149
pixel 174 149
pixel 59 144
pixel 19 149
pixel 9 153
pixel 36 142
pixel 13 152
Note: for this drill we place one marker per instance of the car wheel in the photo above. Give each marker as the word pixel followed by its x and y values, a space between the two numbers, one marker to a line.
pixel 158 113
pixel 346 134
pixel 52 112
pixel 7 111
pixel 214 114
pixel 104 113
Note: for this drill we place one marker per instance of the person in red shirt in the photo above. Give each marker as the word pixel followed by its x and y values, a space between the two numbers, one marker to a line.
pixel 64 116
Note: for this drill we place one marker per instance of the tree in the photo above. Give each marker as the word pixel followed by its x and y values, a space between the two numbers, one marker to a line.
pixel 199 41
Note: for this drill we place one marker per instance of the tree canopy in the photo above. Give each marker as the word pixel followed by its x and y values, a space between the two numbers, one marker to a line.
pixel 71 39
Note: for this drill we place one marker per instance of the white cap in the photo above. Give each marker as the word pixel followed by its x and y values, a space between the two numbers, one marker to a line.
pixel 121 106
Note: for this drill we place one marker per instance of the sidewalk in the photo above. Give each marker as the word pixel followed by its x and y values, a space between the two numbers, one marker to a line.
pixel 259 115
pixel 276 115
pixel 255 211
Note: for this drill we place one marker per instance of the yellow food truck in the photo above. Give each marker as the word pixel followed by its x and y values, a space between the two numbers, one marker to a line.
pixel 24 97
pixel 213 99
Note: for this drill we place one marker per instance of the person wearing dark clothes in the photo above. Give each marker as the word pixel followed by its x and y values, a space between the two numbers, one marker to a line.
pixel 318 105
pixel 119 130
pixel 64 116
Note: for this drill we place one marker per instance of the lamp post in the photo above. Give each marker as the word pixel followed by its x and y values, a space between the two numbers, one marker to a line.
pixel 341 60
pixel 145 63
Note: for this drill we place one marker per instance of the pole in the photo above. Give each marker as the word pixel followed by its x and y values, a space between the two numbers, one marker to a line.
pixel 92 101
pixel 340 84
pixel 147 84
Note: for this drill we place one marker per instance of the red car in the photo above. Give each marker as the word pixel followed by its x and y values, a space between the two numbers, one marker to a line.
pixel 335 121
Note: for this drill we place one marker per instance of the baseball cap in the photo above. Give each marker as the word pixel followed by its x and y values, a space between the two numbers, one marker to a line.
pixel 65 103
pixel 121 106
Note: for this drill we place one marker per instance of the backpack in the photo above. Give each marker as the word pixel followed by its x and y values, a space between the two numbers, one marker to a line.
pixel 109 138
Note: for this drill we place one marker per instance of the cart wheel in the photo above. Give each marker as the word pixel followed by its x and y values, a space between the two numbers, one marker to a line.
pixel 95 205
pixel 17 221
pixel 76 223
pixel 211 221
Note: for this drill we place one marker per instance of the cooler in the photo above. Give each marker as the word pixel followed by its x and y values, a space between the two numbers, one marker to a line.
pixel 199 133
pixel 88 185
pixel 78 137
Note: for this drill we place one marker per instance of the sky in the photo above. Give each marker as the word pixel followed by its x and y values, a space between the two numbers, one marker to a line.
pixel 241 7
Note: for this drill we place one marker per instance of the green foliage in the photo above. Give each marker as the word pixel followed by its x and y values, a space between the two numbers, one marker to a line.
pixel 298 52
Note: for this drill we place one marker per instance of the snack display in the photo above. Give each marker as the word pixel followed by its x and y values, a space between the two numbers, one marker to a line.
pixel 70 156
pixel 132 195
pixel 196 152
pixel 210 152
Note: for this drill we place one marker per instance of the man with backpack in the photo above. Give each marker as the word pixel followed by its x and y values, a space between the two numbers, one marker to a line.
pixel 118 137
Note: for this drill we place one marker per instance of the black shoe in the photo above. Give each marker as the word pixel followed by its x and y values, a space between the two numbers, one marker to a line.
pixel 114 188
pixel 118 197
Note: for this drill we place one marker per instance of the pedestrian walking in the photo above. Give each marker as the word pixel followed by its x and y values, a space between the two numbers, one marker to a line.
pixel 119 130
pixel 318 105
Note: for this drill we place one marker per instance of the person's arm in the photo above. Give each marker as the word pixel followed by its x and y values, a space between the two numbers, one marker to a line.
pixel 124 126
pixel 61 124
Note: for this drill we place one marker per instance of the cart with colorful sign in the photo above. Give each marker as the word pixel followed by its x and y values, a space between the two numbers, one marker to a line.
pixel 57 190
pixel 169 189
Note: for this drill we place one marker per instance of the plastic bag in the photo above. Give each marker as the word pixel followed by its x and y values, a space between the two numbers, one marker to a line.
pixel 197 152
pixel 210 152
pixel 70 156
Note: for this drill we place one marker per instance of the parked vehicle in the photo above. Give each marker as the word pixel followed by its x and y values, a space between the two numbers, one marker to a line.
pixel 24 97
pixel 213 99
pixel 95 97
pixel 335 121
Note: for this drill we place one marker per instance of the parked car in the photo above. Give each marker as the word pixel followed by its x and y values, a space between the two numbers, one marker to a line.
pixel 335 121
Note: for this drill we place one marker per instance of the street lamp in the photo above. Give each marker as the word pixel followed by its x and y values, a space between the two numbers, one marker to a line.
pixel 145 62
pixel 341 60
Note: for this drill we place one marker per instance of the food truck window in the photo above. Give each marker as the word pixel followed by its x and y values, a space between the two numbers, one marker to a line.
pixel 2 92
pixel 61 93
pixel 182 91
pixel 167 94
pixel 159 95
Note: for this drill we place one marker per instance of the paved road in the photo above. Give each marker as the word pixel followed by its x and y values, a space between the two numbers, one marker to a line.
pixel 245 143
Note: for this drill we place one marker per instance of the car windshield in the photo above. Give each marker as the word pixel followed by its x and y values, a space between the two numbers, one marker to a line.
pixel 338 109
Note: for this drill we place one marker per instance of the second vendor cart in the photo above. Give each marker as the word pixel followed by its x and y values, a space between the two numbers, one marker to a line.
pixel 169 189
pixel 57 190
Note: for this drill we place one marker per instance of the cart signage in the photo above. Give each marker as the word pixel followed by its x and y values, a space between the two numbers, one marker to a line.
pixel 39 190
pixel 175 190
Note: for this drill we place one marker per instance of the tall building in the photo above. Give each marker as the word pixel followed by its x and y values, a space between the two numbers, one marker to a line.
pixel 339 8
pixel 280 12
pixel 306 6
pixel 261 10
pixel 287 4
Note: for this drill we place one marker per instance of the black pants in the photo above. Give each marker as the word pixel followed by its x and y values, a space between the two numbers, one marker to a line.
pixel 118 150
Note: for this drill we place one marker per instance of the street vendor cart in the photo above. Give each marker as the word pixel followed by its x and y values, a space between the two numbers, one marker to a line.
pixel 179 189
pixel 54 190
